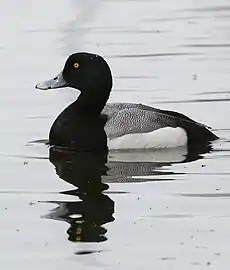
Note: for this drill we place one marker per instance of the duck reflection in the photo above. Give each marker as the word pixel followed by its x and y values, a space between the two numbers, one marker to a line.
pixel 94 209
pixel 90 173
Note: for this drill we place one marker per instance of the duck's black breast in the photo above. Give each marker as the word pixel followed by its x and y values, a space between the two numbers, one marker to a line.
pixel 79 130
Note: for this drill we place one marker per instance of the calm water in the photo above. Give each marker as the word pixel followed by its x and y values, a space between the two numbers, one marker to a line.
pixel 158 210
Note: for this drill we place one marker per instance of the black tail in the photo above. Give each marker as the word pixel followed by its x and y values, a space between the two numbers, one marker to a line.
pixel 197 134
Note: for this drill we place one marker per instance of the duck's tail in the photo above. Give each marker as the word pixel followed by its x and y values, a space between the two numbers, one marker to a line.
pixel 198 134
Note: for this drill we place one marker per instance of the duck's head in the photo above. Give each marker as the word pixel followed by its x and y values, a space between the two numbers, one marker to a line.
pixel 84 71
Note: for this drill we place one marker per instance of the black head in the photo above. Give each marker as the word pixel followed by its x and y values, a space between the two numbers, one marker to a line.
pixel 83 71
pixel 86 71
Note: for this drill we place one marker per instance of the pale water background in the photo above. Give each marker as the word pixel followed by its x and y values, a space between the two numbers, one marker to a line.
pixel 170 54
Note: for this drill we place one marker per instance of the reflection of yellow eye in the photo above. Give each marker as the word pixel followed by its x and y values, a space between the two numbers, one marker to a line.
pixel 76 65
pixel 78 238
pixel 79 230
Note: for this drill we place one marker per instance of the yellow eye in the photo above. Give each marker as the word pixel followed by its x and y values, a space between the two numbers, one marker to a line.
pixel 76 65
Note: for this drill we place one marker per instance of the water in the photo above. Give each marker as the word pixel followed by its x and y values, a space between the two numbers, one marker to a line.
pixel 161 210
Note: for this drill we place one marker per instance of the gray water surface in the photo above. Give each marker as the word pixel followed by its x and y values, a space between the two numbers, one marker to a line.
pixel 160 210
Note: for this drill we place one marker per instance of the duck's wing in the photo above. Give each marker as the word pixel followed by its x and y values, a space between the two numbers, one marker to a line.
pixel 133 120
pixel 112 108
pixel 142 120
pixel 178 116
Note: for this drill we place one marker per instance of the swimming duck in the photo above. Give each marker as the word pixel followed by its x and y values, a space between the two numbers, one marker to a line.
pixel 126 125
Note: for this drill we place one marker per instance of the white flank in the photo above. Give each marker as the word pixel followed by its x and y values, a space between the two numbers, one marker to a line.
pixel 167 137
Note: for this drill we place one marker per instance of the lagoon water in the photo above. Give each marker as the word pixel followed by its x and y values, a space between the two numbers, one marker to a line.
pixel 159 210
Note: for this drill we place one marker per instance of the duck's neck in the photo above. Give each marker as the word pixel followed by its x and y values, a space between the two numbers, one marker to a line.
pixel 91 102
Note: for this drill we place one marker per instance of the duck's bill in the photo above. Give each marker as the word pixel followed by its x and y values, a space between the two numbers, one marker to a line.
pixel 57 82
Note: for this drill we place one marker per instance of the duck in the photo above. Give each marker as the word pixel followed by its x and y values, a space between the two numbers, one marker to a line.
pixel 91 120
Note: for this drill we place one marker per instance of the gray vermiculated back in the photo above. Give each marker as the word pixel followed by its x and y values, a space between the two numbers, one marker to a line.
pixel 133 120
pixel 128 118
